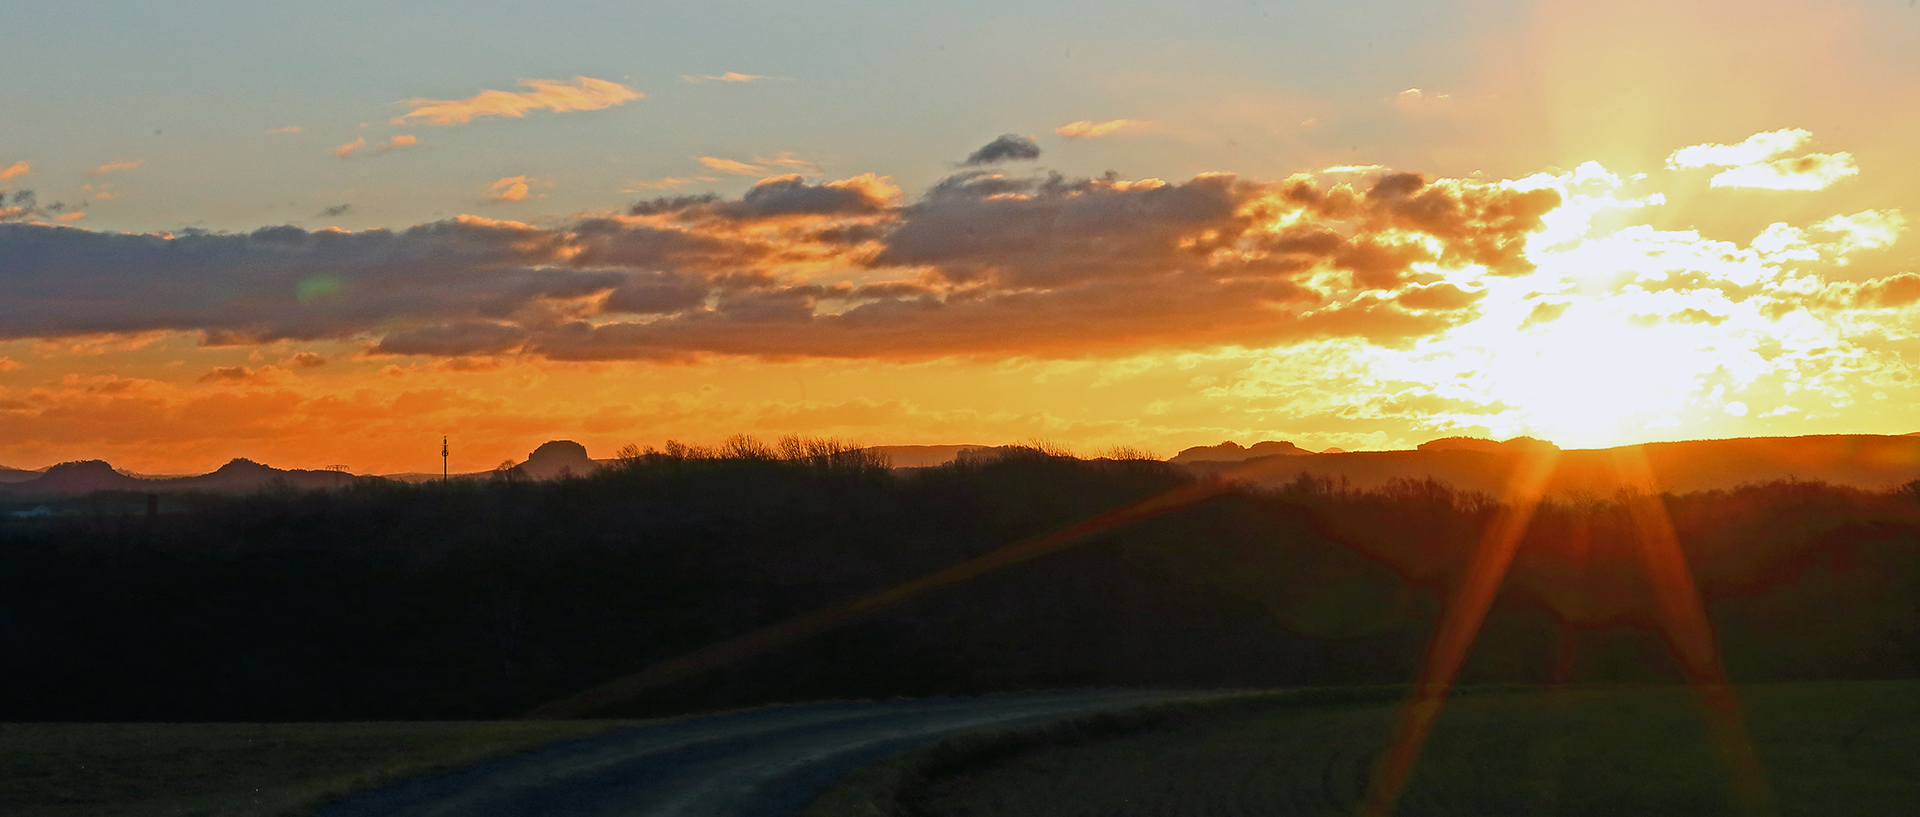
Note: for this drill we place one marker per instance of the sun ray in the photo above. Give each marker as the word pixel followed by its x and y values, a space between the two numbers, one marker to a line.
pixel 1458 627
pixel 1683 619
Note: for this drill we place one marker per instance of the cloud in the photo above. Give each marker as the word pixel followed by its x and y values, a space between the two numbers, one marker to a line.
pixel 23 205
pixel 511 188
pixel 1750 163
pixel 580 94
pixel 336 210
pixel 404 140
pixel 1004 148
pixel 20 168
pixel 287 129
pixel 729 76
pixel 761 165
pixel 1814 171
pixel 69 217
pixel 1756 148
pixel 1085 129
pixel 304 360
pixel 982 263
pixel 666 183
pixel 116 165
pixel 234 374
pixel 731 166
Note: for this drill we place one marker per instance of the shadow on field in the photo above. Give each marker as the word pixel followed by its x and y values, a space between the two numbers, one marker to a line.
pixel 1830 748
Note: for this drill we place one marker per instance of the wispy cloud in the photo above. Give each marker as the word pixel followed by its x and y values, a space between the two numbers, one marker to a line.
pixel 730 76
pixel 580 94
pixel 511 188
pixel 116 165
pixel 1087 129
pixel 666 183
pixel 731 166
pixel 762 165
pixel 1751 162
pixel 287 129
pixel 20 168
pixel 336 210
pixel 404 140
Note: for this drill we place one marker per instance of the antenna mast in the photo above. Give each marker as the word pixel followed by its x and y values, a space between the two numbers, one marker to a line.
pixel 443 458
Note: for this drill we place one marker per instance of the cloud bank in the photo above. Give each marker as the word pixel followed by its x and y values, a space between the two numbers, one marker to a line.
pixel 981 263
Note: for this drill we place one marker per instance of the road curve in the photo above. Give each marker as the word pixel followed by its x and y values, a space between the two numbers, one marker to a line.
pixel 756 763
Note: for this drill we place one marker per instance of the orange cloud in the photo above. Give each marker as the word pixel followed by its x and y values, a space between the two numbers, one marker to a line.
pixel 731 166
pixel 403 140
pixel 73 216
pixel 20 168
pixel 730 76
pixel 511 188
pixel 287 129
pixel 761 165
pixel 1086 129
pixel 120 164
pixel 666 183
pixel 581 94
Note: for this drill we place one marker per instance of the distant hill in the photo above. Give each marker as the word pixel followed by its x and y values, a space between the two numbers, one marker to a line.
pixel 556 459
pixel 238 476
pixel 12 475
pixel 1517 444
pixel 1859 460
pixel 1232 452
pixel 922 456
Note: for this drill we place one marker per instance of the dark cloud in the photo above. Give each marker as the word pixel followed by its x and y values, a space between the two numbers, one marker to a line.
pixel 982 263
pixel 1006 148
pixel 336 210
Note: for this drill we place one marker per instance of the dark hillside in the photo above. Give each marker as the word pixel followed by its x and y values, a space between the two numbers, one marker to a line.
pixel 484 598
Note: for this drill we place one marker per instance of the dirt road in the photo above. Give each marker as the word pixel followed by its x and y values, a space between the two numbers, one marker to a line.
pixel 756 763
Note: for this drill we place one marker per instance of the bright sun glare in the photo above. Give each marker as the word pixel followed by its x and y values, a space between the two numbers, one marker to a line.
pixel 1625 333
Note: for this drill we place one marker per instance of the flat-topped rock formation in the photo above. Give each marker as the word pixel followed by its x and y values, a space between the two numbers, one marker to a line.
pixel 1865 461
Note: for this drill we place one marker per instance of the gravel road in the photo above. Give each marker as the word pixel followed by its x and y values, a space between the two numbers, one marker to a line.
pixel 757 763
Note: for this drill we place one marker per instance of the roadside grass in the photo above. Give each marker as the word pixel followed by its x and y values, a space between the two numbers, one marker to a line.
pixel 1829 748
pixel 238 770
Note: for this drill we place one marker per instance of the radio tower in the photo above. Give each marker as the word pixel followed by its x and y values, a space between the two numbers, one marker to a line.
pixel 443 458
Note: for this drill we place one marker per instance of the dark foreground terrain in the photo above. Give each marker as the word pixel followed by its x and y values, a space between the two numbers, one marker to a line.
pixel 484 599
pixel 1828 749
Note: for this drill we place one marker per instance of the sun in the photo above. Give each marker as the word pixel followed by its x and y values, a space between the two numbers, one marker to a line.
pixel 1621 333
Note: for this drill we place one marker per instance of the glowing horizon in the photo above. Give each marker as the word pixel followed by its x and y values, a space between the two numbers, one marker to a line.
pixel 1150 239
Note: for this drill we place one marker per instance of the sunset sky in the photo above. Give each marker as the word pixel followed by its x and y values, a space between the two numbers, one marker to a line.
pixel 330 234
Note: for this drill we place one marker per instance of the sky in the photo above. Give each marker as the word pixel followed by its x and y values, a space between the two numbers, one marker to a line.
pixel 329 235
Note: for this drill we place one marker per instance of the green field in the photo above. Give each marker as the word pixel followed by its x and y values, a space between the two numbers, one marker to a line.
pixel 1829 748
pixel 230 770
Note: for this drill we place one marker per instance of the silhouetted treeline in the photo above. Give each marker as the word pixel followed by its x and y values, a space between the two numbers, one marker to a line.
pixel 482 599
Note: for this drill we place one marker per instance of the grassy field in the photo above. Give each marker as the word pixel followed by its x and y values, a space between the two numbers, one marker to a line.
pixel 1830 748
pixel 231 770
